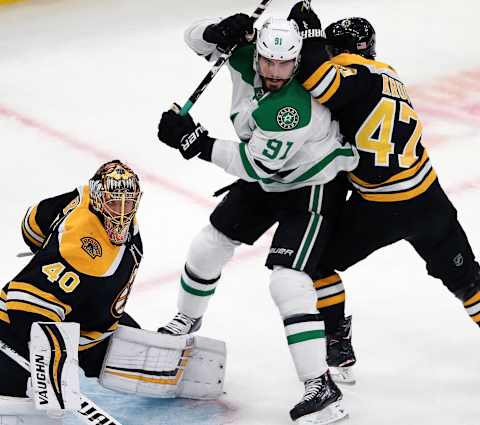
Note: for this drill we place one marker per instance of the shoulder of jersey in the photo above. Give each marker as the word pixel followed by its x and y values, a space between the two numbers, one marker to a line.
pixel 242 62
pixel 287 109
pixel 348 59
pixel 83 242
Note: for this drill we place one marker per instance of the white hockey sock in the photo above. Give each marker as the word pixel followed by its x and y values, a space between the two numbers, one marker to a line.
pixel 195 293
pixel 306 342
pixel 209 251
pixel 295 298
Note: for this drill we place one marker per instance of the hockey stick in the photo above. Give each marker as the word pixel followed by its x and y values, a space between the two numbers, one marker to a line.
pixel 218 64
pixel 24 254
pixel 89 413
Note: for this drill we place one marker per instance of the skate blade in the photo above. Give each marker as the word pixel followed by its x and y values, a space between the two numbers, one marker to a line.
pixel 343 375
pixel 330 414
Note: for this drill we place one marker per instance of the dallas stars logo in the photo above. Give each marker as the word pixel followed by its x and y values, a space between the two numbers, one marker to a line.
pixel 288 118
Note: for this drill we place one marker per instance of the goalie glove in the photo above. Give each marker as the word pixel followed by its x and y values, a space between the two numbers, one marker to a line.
pixel 307 20
pixel 180 132
pixel 235 29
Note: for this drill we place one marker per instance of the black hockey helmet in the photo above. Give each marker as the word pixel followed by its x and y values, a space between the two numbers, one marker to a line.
pixel 353 35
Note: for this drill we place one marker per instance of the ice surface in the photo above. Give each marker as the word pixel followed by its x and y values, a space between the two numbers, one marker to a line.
pixel 83 81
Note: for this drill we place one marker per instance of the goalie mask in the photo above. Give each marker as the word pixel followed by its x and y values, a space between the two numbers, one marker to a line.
pixel 114 195
pixel 277 52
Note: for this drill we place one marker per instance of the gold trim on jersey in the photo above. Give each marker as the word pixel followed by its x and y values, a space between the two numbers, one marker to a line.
pixel 473 300
pixel 28 308
pixel 402 186
pixel 326 79
pixel 347 59
pixel 89 339
pixel 26 297
pixel 30 229
pixel 3 307
pixel 70 235
pixel 4 317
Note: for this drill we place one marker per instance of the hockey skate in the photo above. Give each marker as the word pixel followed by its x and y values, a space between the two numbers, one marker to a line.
pixel 340 354
pixel 181 324
pixel 321 403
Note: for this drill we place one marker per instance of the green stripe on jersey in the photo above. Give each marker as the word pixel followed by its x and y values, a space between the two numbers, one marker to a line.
pixel 318 167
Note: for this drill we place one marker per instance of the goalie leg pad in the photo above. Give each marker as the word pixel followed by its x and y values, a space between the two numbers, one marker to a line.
pixel 158 365
pixel 205 373
pixel 54 366
pixel 22 411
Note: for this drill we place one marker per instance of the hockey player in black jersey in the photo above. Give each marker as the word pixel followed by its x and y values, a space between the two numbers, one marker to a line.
pixel 396 192
pixel 87 250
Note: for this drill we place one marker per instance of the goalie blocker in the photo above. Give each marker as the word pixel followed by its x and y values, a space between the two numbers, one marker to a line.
pixel 151 364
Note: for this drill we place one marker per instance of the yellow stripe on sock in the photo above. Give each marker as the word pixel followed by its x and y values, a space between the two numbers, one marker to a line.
pixel 327 302
pixel 320 283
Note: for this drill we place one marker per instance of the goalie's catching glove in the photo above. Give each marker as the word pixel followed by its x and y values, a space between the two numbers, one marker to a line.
pixel 307 21
pixel 180 132
pixel 229 32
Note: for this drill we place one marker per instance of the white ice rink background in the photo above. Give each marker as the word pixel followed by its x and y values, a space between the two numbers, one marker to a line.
pixel 84 81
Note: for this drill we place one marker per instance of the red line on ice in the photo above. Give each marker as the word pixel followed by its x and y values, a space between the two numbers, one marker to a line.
pixel 447 99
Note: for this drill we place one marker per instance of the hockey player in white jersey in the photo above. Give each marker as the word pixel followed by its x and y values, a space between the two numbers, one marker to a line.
pixel 290 153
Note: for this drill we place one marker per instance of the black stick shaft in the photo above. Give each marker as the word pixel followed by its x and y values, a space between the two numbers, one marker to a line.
pixel 218 64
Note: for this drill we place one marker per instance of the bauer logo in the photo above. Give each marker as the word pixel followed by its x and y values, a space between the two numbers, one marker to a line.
pixel 288 118
pixel 92 247
pixel 189 139
pixel 281 251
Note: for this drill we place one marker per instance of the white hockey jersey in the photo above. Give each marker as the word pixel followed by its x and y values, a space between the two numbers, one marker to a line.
pixel 288 140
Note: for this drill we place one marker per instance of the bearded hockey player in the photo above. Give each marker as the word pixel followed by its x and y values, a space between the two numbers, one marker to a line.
pixel 87 250
pixel 396 192
pixel 290 153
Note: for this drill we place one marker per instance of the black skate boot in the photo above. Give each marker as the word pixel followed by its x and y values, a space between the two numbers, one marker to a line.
pixel 340 354
pixel 320 404
pixel 181 324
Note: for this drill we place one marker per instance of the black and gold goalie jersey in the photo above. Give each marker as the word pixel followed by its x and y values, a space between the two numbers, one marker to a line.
pixel 376 114
pixel 76 274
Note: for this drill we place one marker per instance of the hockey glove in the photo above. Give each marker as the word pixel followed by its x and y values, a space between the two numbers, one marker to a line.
pixel 229 32
pixel 307 21
pixel 181 133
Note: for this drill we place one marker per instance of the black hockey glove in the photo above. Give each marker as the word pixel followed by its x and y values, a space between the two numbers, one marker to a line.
pixel 307 21
pixel 181 133
pixel 229 32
